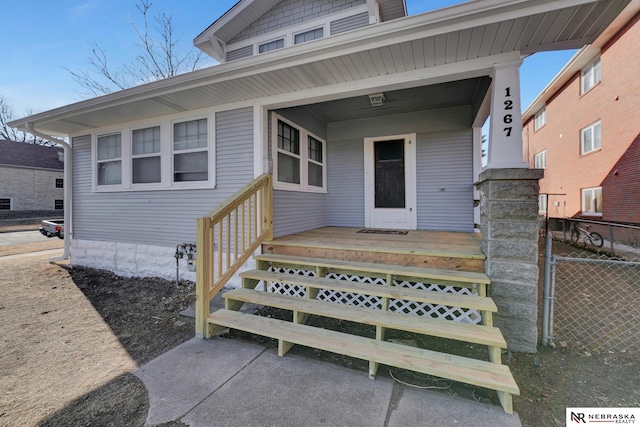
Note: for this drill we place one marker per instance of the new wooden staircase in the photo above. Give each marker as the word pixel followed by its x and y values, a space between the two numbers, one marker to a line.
pixel 312 277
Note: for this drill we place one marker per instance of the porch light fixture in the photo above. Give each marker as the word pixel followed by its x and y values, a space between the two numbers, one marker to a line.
pixel 376 99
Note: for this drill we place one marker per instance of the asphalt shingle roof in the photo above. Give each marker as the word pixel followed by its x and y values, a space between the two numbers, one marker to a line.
pixel 29 155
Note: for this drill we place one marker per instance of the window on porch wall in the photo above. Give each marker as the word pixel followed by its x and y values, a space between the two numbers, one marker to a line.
pixel 298 159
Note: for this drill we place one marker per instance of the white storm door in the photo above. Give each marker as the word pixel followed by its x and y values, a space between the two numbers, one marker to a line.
pixel 390 182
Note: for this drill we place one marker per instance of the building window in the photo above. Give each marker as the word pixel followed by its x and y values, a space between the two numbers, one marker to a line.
pixel 5 204
pixel 315 167
pixel 298 158
pixel 590 76
pixel 269 46
pixel 145 155
pixel 590 138
pixel 540 160
pixel 59 183
pixel 288 153
pixel 109 159
pixel 592 201
pixel 542 203
pixel 58 204
pixel 307 36
pixel 190 151
pixel 540 119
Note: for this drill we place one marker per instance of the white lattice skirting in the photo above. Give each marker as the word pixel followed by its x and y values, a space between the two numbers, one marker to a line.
pixel 359 300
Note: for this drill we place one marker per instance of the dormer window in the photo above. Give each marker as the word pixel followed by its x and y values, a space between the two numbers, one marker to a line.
pixel 272 45
pixel 307 36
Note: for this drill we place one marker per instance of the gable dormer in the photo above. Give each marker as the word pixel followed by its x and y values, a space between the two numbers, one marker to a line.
pixel 254 27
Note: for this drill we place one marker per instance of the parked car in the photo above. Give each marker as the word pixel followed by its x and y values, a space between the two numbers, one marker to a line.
pixel 52 228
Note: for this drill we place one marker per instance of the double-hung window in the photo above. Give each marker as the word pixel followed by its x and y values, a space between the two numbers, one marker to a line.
pixel 540 160
pixel 5 204
pixel 590 138
pixel 592 201
pixel 109 162
pixel 190 151
pixel 299 158
pixel 590 76
pixel 59 183
pixel 540 119
pixel 145 156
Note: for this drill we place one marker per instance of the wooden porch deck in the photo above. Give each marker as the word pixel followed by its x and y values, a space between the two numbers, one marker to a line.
pixel 434 249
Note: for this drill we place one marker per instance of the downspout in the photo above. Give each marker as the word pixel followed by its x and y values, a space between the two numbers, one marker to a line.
pixel 67 187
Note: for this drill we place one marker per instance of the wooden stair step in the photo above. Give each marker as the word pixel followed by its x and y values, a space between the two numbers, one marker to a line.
pixel 477 334
pixel 395 292
pixel 435 274
pixel 476 372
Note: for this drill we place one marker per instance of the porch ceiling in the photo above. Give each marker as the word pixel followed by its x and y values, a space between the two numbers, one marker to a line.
pixel 443 95
pixel 447 45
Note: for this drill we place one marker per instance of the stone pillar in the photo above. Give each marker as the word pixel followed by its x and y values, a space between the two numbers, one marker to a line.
pixel 509 226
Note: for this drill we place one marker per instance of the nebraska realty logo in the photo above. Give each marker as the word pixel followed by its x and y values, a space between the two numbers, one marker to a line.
pixel 580 416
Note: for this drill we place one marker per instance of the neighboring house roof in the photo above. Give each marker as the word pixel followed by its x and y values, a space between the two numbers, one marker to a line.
pixel 245 12
pixel 29 155
pixel 581 59
pixel 416 50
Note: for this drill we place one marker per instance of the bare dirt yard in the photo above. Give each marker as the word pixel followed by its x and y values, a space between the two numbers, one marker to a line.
pixel 72 336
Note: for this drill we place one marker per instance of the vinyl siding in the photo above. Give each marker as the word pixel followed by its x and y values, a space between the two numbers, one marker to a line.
pixel 350 23
pixel 345 182
pixel 296 211
pixel 291 12
pixel 161 217
pixel 445 181
pixel 243 52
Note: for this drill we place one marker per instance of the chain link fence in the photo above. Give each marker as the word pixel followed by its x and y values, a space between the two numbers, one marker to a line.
pixel 594 303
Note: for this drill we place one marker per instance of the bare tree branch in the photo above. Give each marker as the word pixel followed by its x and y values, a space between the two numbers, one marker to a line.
pixel 159 56
pixel 12 134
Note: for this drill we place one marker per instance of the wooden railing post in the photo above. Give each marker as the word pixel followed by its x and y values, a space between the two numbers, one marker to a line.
pixel 267 209
pixel 204 275
pixel 210 278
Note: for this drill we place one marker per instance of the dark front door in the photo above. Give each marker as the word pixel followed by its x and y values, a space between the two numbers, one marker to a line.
pixel 389 174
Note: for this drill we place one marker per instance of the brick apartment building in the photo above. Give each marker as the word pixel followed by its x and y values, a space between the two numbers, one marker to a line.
pixel 584 129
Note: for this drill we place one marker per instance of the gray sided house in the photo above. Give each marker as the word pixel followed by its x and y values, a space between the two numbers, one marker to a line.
pixel 31 177
pixel 360 116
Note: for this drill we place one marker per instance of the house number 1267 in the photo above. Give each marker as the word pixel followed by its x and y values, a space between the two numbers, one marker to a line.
pixel 508 105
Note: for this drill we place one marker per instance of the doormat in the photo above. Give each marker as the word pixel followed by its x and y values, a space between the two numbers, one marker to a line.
pixel 378 231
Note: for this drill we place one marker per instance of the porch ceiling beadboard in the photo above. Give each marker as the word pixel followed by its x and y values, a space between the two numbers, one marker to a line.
pixel 459 42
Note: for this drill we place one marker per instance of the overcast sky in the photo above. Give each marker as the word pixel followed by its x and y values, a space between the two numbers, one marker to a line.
pixel 40 38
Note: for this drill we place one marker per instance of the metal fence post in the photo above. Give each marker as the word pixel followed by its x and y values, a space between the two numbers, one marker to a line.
pixel 611 239
pixel 546 292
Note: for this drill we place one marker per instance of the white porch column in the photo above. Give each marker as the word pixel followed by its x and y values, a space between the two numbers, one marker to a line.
pixel 505 131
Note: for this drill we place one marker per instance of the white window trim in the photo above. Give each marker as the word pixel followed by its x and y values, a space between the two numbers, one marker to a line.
pixel 591 128
pixel 289 32
pixel 582 199
pixel 147 185
pixel 166 155
pixel 543 156
pixel 121 159
pixel 590 68
pixel 303 156
pixel 543 201
pixel 540 116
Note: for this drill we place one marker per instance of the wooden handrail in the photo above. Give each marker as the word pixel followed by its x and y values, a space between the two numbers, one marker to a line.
pixel 225 239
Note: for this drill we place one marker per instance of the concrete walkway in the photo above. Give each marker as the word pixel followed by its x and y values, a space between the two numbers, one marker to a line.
pixel 227 383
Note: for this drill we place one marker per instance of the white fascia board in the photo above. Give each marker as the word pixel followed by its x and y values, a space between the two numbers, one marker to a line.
pixel 441 21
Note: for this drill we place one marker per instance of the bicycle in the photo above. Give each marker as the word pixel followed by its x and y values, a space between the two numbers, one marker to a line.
pixel 592 237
